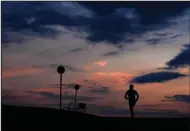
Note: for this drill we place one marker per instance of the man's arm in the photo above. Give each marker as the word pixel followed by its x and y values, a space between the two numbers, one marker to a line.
pixel 137 96
pixel 126 95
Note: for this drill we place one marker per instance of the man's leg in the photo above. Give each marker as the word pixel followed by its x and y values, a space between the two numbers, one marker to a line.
pixel 131 110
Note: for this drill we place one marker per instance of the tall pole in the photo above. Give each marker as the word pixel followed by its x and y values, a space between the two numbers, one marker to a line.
pixel 60 70
pixel 60 91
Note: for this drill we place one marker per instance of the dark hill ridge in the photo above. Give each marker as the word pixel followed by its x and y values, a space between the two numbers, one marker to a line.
pixel 42 119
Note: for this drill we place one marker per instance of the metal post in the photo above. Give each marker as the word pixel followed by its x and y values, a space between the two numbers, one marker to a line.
pixel 75 101
pixel 60 91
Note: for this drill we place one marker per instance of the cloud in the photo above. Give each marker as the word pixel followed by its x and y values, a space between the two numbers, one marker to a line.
pixel 154 40
pixel 175 36
pixel 101 90
pixel 93 65
pixel 116 25
pixel 158 37
pixel 21 72
pixel 18 96
pixel 77 50
pixel 90 82
pixel 8 95
pixel 72 68
pixel 61 13
pixel 66 96
pixel 88 67
pixel 111 77
pixel 182 59
pixel 156 77
pixel 49 99
pixel 26 98
pixel 69 86
pixel 110 28
pixel 111 53
pixel 101 63
pixel 72 9
pixel 165 68
pixel 67 67
pixel 178 98
pixel 124 22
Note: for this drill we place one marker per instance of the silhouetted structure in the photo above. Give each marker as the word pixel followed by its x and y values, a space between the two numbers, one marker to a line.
pixel 69 106
pixel 132 96
pixel 82 106
pixel 76 88
pixel 60 70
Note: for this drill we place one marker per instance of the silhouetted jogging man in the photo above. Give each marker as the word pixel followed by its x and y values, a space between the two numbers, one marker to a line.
pixel 132 96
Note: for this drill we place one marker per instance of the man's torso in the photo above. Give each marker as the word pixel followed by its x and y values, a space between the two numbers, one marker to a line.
pixel 131 95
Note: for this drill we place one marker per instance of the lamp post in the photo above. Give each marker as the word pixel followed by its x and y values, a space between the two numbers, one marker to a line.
pixel 76 88
pixel 60 70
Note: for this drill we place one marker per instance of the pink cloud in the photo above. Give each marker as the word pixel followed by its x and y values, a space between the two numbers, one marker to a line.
pixel 21 72
pixel 101 63
pixel 111 77
pixel 94 65
pixel 88 67
pixel 184 70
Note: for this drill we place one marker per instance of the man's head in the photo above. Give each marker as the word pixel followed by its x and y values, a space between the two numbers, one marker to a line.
pixel 131 87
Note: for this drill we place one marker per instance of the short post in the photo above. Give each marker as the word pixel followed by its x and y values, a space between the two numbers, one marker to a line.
pixel 76 88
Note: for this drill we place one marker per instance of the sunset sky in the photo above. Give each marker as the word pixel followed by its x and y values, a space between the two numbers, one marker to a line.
pixel 104 46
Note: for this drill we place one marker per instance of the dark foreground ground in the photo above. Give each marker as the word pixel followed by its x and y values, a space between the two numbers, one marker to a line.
pixel 43 119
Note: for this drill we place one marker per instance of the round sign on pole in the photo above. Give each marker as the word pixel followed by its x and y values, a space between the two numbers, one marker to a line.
pixel 77 87
pixel 60 69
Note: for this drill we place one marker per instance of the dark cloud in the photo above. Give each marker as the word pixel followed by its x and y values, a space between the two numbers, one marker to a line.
pixel 92 82
pixel 157 77
pixel 77 50
pixel 154 41
pixel 85 80
pixel 67 67
pixel 111 28
pixel 101 90
pixel 66 96
pixel 114 26
pixel 178 97
pixel 159 37
pixel 69 85
pixel 65 85
pixel 166 68
pixel 12 37
pixel 113 22
pixel 112 53
pixel 73 69
pixel 182 59
pixel 97 88
pixel 8 95
pixel 43 13
pixel 164 34
pixel 175 36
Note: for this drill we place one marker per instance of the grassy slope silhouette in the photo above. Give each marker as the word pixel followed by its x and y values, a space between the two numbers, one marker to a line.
pixel 42 119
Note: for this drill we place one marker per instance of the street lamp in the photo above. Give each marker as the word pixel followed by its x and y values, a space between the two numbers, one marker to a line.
pixel 60 70
pixel 76 88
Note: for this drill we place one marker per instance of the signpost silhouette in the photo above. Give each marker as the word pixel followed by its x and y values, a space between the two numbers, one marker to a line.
pixel 76 88
pixel 60 70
